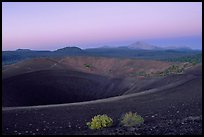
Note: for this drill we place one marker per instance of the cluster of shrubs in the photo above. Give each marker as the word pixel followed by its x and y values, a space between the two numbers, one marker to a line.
pixel 172 70
pixel 102 121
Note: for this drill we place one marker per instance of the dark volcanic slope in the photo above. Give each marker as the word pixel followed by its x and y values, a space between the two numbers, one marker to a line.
pixel 176 110
pixel 46 81
pixel 58 86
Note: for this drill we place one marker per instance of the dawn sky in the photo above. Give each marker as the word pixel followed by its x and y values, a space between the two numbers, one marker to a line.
pixel 49 26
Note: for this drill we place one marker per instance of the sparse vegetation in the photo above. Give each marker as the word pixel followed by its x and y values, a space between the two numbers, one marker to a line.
pixel 174 69
pixel 99 122
pixel 194 59
pixel 141 73
pixel 131 119
pixel 88 65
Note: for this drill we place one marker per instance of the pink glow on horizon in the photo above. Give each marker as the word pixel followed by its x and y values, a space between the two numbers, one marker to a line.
pixel 33 25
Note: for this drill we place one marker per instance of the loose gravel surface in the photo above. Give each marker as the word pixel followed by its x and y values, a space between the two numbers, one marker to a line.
pixel 173 111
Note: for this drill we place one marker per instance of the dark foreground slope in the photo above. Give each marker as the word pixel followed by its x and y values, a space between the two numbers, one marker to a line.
pixel 58 86
pixel 176 109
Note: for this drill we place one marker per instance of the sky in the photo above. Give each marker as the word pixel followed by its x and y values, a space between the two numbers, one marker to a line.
pixel 54 25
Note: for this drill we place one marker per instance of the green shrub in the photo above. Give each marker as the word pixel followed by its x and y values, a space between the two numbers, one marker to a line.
pixel 194 62
pixel 87 65
pixel 99 122
pixel 131 119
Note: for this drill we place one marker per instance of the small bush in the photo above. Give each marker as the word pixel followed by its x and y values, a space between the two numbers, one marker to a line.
pixel 87 65
pixel 99 122
pixel 131 119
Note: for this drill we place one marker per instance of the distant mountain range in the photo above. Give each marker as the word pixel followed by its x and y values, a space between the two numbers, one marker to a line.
pixel 135 50
pixel 139 45
pixel 145 46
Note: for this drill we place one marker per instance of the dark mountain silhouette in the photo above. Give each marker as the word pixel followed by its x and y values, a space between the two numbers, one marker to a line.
pixel 70 50
pixel 23 50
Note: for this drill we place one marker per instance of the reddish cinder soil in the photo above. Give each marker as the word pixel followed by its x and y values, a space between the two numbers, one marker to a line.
pixel 112 67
